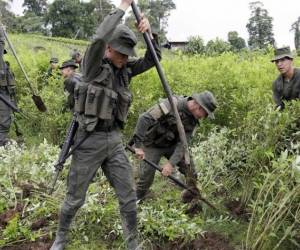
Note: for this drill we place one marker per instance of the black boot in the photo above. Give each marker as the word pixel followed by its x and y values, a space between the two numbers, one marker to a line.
pixel 62 231
pixel 140 195
pixel 129 225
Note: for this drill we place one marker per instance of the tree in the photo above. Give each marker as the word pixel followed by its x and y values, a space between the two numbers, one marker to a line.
pixel 260 27
pixel 71 18
pixel 296 28
pixel 6 16
pixel 38 7
pixel 158 12
pixel 236 42
pixel 33 24
pixel 195 45
pixel 102 9
pixel 216 47
pixel 33 19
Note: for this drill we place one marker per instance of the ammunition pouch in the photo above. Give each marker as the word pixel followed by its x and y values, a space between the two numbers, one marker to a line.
pixel 104 99
pixel 166 139
pixel 160 136
pixel 125 99
pixel 100 101
pixel 10 78
pixel 3 81
pixel 80 93
pixel 87 123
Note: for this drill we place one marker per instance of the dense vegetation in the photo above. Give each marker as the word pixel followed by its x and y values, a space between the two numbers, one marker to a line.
pixel 247 159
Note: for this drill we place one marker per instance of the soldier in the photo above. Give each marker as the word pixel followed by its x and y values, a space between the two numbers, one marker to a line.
pixel 71 78
pixel 7 90
pixel 77 58
pixel 286 86
pixel 102 110
pixel 156 135
pixel 53 65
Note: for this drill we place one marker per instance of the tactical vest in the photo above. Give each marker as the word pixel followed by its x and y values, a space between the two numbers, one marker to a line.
pixel 164 132
pixel 103 98
pixel 69 86
pixel 7 77
pixel 7 80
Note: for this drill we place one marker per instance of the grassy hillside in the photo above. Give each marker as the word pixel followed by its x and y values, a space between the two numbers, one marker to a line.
pixel 247 160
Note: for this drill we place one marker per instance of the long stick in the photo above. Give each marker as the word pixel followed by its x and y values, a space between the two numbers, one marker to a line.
pixel 180 127
pixel 178 182
pixel 37 99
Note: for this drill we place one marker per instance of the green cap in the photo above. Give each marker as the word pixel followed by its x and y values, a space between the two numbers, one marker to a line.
pixel 69 63
pixel 74 54
pixel 54 59
pixel 207 101
pixel 282 53
pixel 123 40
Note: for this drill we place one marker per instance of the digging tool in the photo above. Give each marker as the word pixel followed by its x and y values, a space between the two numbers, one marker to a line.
pixel 191 179
pixel 178 182
pixel 37 99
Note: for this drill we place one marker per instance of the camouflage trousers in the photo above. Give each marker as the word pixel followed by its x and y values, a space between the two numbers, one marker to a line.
pixel 105 150
pixel 5 117
pixel 146 173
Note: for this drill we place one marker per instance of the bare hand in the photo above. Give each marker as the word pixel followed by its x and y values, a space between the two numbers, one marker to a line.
pixel 144 25
pixel 3 27
pixel 139 153
pixel 167 169
pixel 124 5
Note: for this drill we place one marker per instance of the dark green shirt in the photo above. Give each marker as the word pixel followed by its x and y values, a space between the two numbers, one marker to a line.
pixel 146 120
pixel 94 57
pixel 286 91
pixel 69 85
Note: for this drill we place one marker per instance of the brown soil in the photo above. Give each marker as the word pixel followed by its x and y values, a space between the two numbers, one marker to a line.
pixel 210 241
pixel 43 243
pixel 238 210
pixel 10 214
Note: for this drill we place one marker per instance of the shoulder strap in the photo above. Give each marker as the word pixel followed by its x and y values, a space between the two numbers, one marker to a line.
pixel 104 74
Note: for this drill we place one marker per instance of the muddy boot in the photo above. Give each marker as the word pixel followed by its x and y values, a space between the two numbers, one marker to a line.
pixel 140 194
pixel 62 231
pixel 129 225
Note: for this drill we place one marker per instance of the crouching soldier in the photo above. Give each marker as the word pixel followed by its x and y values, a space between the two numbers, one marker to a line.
pixel 156 135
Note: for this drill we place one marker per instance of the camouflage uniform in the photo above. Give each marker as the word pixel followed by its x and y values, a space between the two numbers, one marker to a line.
pixel 5 110
pixel 103 148
pixel 286 91
pixel 172 150
pixel 74 56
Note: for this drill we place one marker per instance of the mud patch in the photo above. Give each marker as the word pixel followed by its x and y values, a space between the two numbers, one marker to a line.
pixel 40 223
pixel 10 214
pixel 187 197
pixel 43 243
pixel 26 189
pixel 209 241
pixel 238 210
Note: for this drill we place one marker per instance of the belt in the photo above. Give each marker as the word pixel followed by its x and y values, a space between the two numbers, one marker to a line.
pixel 106 129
